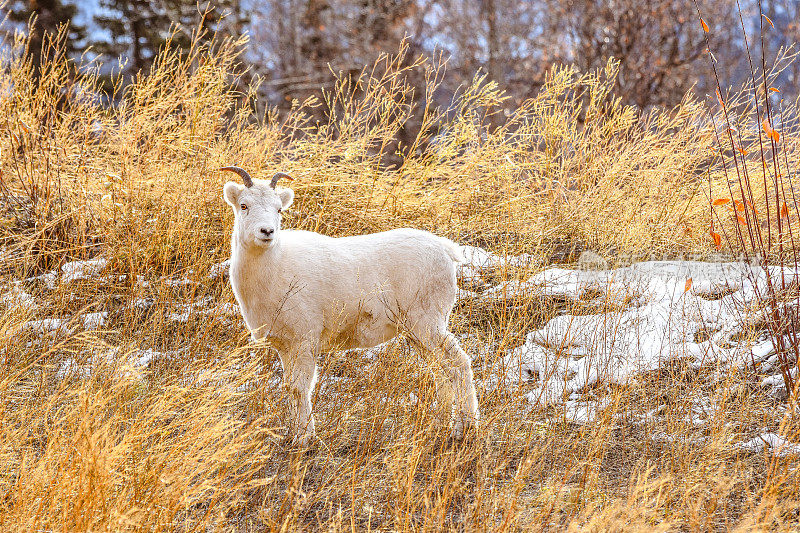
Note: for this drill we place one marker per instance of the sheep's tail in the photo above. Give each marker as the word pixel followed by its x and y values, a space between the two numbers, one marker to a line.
pixel 453 250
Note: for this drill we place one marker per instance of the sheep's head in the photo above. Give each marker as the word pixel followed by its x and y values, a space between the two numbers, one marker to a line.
pixel 257 206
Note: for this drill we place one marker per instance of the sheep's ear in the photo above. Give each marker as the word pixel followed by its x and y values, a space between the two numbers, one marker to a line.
pixel 286 196
pixel 231 192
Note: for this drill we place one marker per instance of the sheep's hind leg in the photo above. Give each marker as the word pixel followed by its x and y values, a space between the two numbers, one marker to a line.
pixel 457 365
pixel 300 377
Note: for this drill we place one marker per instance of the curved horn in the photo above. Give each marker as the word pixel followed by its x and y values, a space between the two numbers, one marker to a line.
pixel 277 176
pixel 246 179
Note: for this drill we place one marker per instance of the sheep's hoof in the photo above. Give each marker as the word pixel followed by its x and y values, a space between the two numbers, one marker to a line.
pixel 465 427
pixel 301 444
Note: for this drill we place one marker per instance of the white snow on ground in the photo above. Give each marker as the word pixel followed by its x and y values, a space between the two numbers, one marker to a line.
pixel 777 444
pixel 644 317
pixel 584 412
pixel 225 310
pixel 46 325
pixel 95 320
pixel 776 380
pixel 183 282
pixel 219 269
pixel 16 297
pixel 480 261
pixel 128 365
pixel 204 307
pixel 73 271
pixel 142 358
pixel 142 304
pixel 77 270
pixel 621 322
pixel 69 367
pixel 49 279
pixel 189 309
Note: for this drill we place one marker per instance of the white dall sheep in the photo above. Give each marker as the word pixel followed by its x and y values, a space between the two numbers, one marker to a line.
pixel 308 293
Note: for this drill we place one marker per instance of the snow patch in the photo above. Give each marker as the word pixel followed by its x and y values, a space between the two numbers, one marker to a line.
pixel 480 262
pixel 47 325
pixel 17 297
pixel 645 317
pixel 77 270
pixel 95 320
pixel 183 282
pixel 204 307
pixel 778 444
pixel 142 358
pixel 219 269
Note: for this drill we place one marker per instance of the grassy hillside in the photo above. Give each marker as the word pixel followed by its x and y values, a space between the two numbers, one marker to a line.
pixel 160 416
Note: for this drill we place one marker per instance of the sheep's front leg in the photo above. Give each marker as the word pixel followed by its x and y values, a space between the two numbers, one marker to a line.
pixel 300 378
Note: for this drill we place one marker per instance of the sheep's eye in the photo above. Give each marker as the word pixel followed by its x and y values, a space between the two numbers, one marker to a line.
pixel 280 210
pixel 244 207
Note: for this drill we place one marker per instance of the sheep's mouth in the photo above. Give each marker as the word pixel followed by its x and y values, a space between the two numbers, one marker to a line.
pixel 264 241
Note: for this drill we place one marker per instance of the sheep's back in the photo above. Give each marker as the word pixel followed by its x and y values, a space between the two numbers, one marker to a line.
pixel 408 267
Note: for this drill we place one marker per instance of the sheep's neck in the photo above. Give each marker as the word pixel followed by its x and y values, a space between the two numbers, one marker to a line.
pixel 254 263
pixel 252 270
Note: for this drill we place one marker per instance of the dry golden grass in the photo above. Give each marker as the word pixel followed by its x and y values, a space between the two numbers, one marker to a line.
pixel 194 440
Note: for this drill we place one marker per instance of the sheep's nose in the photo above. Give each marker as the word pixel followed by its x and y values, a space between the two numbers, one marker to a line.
pixel 267 232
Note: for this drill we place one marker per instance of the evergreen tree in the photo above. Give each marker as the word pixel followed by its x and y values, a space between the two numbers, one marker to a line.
pixel 49 16
pixel 137 29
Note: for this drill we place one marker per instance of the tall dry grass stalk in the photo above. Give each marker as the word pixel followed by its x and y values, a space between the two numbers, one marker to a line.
pixel 760 211
pixel 192 440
